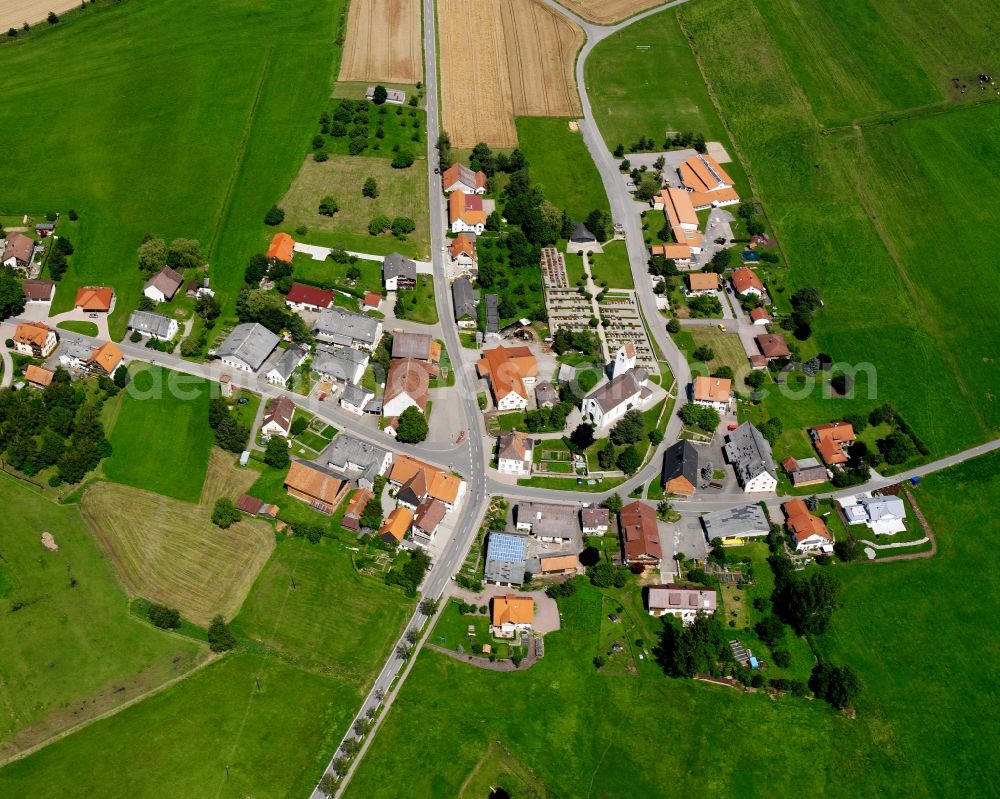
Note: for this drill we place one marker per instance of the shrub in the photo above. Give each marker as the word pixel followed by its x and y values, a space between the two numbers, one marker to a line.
pixel 782 658
pixel 225 513
pixel 135 337
pixel 704 353
pixel 328 206
pixel 163 617
pixel 220 639
pixel 402 160
pixel 274 216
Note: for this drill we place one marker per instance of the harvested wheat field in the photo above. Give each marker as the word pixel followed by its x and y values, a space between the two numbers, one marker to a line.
pixel 605 12
pixel 169 551
pixel 383 42
pixel 501 58
pixel 14 13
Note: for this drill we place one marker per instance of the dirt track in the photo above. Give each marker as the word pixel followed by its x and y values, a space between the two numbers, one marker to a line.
pixel 501 58
pixel 383 42
pixel 14 13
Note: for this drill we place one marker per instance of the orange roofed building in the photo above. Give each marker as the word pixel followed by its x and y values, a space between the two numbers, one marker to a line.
pixel 37 376
pixel 708 183
pixel 35 339
pixel 462 250
pixel 416 481
pixel 745 281
pixel 465 213
pixel 396 525
pixel 107 358
pixel 511 615
pixel 712 392
pixel 832 441
pixel 809 532
pixel 319 489
pixel 281 248
pixel 92 299
pixel 511 372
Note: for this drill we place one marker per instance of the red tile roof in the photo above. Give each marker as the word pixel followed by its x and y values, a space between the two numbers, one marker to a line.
pixel 301 294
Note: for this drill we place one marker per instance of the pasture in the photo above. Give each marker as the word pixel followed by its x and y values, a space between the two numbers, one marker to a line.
pixel 70 649
pixel 310 604
pixel 560 165
pixel 170 552
pixel 383 42
pixel 164 127
pixel 161 438
pixel 522 55
pixel 248 725
pixel 402 192
pixel 843 205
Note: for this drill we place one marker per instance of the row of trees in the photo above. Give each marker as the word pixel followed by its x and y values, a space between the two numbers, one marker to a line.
pixel 154 254
pixel 230 434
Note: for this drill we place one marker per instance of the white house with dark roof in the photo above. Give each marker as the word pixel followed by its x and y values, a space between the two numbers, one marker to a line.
pixel 465 302
pixel 289 360
pixel 355 398
pixel 154 325
pixel 398 272
pixel 344 363
pixel 357 459
pixel 163 285
pixel 609 402
pixel 684 603
pixel 514 453
pixel 750 455
pixel 277 419
pixel 247 347
pixel 347 329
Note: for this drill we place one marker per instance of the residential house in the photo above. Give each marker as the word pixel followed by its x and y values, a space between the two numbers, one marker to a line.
pixel 355 508
pixel 832 441
pixel 347 329
pixel 463 251
pixel 558 564
pixel 505 558
pixel 358 460
pixel 760 317
pixel 701 283
pixel 398 272
pixel 416 481
pixel 465 213
pixel 75 353
pixel 712 392
pixel 45 229
pixel 640 534
pixel 546 395
pixel 35 339
pixel 340 363
pixel 18 252
pixel 772 346
pixel 609 402
pixel 247 347
pixel 547 521
pixel 277 419
pixel 804 471
pixel 282 370
pixel 396 525
pixel 595 521
pixel 465 303
pixel 708 183
pixel 301 297
pixel 511 371
pixel 512 615
pixel 680 469
pixel 162 286
pixel 426 520
pixel 808 532
pixel 155 325
pixel 406 386
pixel 745 281
pixel 679 253
pixel 357 399
pixel 459 177
pixel 514 453
pixel 882 515
pixel 624 360
pixel 315 486
pixel 682 602
pixel 39 290
pixel 750 455
pixel 95 299
pixel 105 359
pixel 37 376
pixel 737 525
pixel 420 346
pixel 281 248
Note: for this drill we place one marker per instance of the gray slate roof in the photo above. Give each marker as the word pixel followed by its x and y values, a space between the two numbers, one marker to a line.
pixel 355 395
pixel 749 453
pixel 344 327
pixel 395 265
pixel 412 345
pixel 741 521
pixel 465 302
pixel 492 314
pixel 149 323
pixel 76 348
pixel 681 460
pixel 548 519
pixel 617 391
pixel 339 364
pixel 249 342
pixel 288 361
pixel 356 458
pixel 545 393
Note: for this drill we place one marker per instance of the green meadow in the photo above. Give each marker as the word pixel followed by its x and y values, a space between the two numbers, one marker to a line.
pixel 161 438
pixel 178 119
pixel 917 632
pixel 70 649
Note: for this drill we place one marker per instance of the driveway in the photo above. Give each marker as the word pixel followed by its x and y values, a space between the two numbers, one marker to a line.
pixel 82 316
pixel 546 609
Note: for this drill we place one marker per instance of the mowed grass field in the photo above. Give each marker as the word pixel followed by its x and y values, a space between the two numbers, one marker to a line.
pixel 920 729
pixel 317 624
pixel 383 42
pixel 70 648
pixel 174 119
pixel 250 725
pixel 402 192
pixel 560 165
pixel 161 439
pixel 844 207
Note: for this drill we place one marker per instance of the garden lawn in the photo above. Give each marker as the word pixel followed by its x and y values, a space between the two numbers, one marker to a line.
pixel 250 725
pixel 842 204
pixel 418 304
pixel 164 127
pixel 161 439
pixel 452 629
pixel 612 267
pixel 84 328
pixel 70 649
pixel 334 621
pixel 560 165
pixel 334 275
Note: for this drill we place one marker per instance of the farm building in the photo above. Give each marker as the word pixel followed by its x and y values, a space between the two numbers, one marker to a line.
pixel 39 290
pixel 396 525
pixel 465 302
pixel 154 325
pixel 680 469
pixel 505 558
pixel 312 485
pixel 407 386
pixel 347 329
pixel 707 182
pixel 465 213
pixel 459 177
pixel 247 347
pixel 511 371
